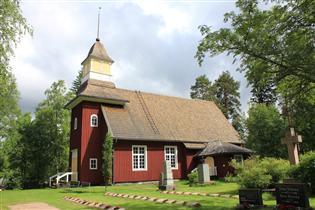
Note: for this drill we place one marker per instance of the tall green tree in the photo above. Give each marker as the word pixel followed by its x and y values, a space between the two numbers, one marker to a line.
pixel 18 154
pixel 53 123
pixel 228 95
pixel 41 148
pixel 225 93
pixel 77 82
pixel 202 89
pixel 264 92
pixel 265 130
pixel 273 44
pixel 239 123
pixel 12 27
pixel 107 159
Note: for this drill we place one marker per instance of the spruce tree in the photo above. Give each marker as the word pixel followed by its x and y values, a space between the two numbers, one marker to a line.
pixel 108 158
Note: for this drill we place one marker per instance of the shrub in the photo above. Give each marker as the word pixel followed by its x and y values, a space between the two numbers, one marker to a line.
pixel 260 173
pixel 278 169
pixel 251 175
pixel 193 178
pixel 305 171
pixel 230 177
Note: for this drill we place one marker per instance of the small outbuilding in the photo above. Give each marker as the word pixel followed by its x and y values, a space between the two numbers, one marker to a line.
pixel 217 154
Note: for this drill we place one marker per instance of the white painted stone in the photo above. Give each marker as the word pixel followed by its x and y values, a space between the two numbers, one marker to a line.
pixel 203 173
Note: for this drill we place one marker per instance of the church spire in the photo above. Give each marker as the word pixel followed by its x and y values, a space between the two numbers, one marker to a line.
pixel 97 64
pixel 98 24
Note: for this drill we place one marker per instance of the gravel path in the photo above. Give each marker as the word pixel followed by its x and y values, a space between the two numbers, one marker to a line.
pixel 32 206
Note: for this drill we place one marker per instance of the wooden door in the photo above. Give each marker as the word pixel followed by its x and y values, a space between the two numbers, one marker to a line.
pixel 74 165
pixel 212 169
pixel 210 161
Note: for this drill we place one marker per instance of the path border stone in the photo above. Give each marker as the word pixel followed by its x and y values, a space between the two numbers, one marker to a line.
pixel 156 200
pixel 200 194
pixel 92 204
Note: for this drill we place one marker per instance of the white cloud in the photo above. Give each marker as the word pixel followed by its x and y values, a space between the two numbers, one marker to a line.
pixel 174 19
pixel 153 45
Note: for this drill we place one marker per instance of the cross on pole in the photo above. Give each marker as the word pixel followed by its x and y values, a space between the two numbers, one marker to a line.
pixel 291 139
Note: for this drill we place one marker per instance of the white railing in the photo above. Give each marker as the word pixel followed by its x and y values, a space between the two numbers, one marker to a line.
pixel 59 176
pixel 213 171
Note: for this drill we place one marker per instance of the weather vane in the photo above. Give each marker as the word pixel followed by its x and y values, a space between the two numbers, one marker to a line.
pixel 98 24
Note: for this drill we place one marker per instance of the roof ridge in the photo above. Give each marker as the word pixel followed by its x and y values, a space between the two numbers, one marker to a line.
pixel 159 94
pixel 147 113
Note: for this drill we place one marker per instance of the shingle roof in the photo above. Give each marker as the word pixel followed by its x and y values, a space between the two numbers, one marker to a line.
pixel 218 147
pixel 98 51
pixel 147 116
pixel 195 145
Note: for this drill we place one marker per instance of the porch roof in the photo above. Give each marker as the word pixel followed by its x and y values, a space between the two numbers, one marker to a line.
pixel 218 147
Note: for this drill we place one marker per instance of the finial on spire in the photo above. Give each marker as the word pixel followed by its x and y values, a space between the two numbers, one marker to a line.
pixel 98 24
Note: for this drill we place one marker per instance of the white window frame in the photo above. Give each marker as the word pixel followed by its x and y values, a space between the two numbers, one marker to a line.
pixel 239 157
pixel 90 165
pixel 145 158
pixel 91 120
pixel 176 155
pixel 75 123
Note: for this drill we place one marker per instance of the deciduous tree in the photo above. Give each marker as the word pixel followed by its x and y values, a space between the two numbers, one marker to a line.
pixel 12 27
pixel 265 130
pixel 273 44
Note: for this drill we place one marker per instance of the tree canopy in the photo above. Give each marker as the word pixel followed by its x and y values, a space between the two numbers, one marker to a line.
pixel 224 92
pixel 12 27
pixel 227 94
pixel 202 89
pixel 274 45
pixel 77 82
pixel 265 130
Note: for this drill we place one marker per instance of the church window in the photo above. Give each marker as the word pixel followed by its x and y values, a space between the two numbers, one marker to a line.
pixel 94 120
pixel 238 159
pixel 75 123
pixel 170 153
pixel 93 163
pixel 139 157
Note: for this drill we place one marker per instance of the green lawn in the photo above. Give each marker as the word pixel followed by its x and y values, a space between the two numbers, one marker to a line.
pixel 54 197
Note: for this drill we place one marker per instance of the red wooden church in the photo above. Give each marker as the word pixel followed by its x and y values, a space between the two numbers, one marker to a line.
pixel 147 129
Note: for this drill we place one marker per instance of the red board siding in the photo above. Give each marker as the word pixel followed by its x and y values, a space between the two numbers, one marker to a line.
pixel 75 135
pixel 91 143
pixel 191 160
pixel 223 165
pixel 88 140
pixel 155 156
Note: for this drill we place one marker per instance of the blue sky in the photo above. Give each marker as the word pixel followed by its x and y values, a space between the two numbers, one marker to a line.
pixel 153 44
